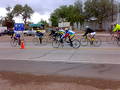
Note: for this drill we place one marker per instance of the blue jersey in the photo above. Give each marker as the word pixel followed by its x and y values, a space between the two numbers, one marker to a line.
pixel 70 32
pixel 17 34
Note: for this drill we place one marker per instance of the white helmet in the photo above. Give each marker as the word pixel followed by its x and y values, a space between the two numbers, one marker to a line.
pixel 66 28
pixel 86 27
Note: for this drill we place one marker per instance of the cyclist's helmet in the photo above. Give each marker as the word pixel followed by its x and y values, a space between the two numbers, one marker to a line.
pixel 66 28
pixel 86 27
pixel 115 25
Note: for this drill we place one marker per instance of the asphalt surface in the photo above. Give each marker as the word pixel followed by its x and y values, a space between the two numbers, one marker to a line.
pixel 88 70
pixel 94 62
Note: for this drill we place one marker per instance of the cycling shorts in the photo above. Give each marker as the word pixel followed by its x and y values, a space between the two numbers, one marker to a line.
pixel 71 36
pixel 17 35
pixel 93 33
pixel 40 35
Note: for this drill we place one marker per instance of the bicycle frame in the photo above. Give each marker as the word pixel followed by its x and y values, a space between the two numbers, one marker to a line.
pixel 91 39
pixel 15 41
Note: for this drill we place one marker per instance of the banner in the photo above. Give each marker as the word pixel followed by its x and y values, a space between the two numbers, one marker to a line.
pixel 64 24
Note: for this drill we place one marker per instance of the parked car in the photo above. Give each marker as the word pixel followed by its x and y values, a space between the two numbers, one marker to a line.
pixel 3 30
pixel 7 32
pixel 29 32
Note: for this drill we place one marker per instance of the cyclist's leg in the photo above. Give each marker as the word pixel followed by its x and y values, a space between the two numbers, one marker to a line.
pixel 92 37
pixel 72 36
pixel 19 41
pixel 15 38
pixel 40 40
pixel 85 34
pixel 12 35
pixel 70 39
pixel 118 35
pixel 61 38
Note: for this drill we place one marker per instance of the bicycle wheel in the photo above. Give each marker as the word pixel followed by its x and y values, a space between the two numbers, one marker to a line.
pixel 44 41
pixel 75 43
pixel 49 39
pixel 115 41
pixel 14 43
pixel 83 41
pixel 55 44
pixel 35 41
pixel 118 41
pixel 97 42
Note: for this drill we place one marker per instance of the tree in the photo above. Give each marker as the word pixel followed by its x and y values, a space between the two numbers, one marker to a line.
pixel 71 13
pixel 79 15
pixel 43 22
pixel 8 20
pixel 63 13
pixel 54 19
pixel 56 16
pixel 100 9
pixel 18 10
pixel 25 11
pixel 10 14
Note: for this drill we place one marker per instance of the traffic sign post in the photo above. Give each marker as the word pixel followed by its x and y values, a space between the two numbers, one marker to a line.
pixel 19 27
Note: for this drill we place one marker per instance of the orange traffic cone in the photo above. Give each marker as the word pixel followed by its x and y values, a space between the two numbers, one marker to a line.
pixel 22 45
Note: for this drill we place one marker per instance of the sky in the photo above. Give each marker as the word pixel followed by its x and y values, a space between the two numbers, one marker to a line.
pixel 42 8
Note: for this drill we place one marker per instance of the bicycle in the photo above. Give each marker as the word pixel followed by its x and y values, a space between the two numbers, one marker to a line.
pixel 85 40
pixel 116 38
pixel 111 37
pixel 118 41
pixel 15 42
pixel 57 43
pixel 39 40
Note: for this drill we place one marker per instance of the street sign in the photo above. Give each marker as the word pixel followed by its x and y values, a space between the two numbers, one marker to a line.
pixel 19 27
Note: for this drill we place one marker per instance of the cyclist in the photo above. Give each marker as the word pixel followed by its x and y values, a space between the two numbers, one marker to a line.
pixel 61 32
pixel 53 33
pixel 89 31
pixel 68 34
pixel 117 29
pixel 39 34
pixel 17 36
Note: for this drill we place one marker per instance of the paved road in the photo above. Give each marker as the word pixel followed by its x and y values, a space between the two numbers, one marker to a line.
pixel 99 62
pixel 107 53
pixel 102 71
